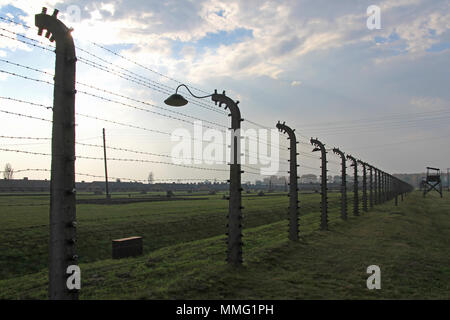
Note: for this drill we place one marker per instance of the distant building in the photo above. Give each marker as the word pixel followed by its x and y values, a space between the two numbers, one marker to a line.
pixel 274 180
pixel 308 178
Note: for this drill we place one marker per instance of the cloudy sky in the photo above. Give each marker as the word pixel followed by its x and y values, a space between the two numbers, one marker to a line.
pixel 381 95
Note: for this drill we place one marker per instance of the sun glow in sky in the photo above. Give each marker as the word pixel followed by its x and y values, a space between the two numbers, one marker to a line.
pixel 380 95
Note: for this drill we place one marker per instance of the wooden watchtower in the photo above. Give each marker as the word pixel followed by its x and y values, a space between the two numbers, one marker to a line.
pixel 433 181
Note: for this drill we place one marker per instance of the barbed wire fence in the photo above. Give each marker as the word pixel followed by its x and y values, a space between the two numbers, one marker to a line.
pixel 122 100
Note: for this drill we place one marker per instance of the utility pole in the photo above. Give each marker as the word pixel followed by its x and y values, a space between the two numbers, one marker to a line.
pixel 370 186
pixel 390 186
pixel 319 146
pixel 395 191
pixel 108 196
pixel 380 188
pixel 402 189
pixel 234 242
pixel 293 187
pixel 402 186
pixel 364 186
pixel 386 186
pixel 234 226
pixel 62 185
pixel 343 184
pixel 448 182
pixel 355 185
pixel 375 185
pixel 380 183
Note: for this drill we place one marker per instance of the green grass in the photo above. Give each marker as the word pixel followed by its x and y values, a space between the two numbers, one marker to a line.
pixel 185 251
pixel 24 230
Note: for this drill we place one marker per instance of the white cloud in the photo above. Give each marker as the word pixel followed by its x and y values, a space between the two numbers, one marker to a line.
pixel 429 103
pixel 416 33
pixel 387 5
pixel 7 41
pixel 282 33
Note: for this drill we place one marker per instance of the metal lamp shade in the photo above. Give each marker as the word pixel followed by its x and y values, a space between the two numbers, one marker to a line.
pixel 176 100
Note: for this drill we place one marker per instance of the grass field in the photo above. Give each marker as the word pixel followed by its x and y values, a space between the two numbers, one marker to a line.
pixel 184 250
